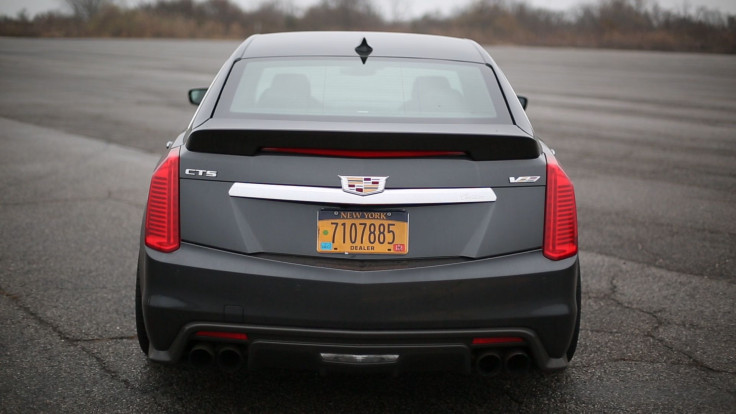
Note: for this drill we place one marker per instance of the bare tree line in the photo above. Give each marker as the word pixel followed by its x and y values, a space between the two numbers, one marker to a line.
pixel 630 24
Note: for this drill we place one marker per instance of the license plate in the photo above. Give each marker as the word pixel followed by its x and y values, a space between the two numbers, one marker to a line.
pixel 363 232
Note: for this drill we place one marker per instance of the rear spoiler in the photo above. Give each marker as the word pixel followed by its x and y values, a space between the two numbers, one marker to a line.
pixel 248 142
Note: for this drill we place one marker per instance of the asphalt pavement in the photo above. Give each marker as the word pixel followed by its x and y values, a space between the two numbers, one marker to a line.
pixel 648 139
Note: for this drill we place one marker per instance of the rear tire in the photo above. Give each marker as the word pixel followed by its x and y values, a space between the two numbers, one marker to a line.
pixel 140 324
pixel 576 333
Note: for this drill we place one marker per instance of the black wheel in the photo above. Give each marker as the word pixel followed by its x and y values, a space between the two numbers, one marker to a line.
pixel 140 324
pixel 576 333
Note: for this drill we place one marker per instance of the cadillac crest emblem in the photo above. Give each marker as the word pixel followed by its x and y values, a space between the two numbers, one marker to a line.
pixel 362 186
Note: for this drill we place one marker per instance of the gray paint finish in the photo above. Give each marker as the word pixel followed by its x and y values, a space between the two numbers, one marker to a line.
pixel 192 283
pixel 324 171
pixel 344 44
pixel 512 223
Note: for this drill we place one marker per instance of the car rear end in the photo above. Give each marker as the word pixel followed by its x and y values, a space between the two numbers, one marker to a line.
pixel 335 213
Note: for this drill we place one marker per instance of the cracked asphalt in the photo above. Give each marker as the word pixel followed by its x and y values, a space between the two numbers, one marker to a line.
pixel 648 139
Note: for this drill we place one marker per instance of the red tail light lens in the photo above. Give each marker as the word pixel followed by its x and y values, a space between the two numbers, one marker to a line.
pixel 162 211
pixel 364 154
pixel 560 215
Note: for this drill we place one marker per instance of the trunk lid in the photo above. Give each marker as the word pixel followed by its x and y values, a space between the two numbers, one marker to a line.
pixel 217 157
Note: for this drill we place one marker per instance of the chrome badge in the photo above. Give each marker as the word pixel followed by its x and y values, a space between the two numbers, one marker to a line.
pixel 362 186
pixel 525 179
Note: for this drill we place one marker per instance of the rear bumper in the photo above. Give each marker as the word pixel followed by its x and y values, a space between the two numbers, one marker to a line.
pixel 431 350
pixel 296 313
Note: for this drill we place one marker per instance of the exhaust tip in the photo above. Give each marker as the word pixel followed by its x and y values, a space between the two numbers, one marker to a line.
pixel 517 362
pixel 201 355
pixel 229 358
pixel 489 364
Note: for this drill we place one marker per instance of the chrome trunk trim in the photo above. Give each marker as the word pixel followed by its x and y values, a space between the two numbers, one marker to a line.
pixel 327 195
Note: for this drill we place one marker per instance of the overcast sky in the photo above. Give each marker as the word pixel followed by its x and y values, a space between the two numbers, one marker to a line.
pixel 391 8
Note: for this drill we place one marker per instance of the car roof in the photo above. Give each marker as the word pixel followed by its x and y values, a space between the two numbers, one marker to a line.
pixel 344 43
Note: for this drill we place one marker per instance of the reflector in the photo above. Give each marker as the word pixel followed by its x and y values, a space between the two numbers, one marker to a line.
pixel 222 335
pixel 497 340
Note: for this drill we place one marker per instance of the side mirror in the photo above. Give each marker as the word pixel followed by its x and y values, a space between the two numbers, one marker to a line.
pixel 523 100
pixel 196 95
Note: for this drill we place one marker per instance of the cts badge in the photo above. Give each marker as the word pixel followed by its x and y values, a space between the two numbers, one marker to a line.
pixel 200 173
pixel 362 186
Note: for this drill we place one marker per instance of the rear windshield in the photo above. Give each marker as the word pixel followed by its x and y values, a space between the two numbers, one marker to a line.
pixel 387 90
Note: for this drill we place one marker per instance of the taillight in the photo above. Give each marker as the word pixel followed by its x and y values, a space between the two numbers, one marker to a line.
pixel 162 211
pixel 560 214
pixel 364 153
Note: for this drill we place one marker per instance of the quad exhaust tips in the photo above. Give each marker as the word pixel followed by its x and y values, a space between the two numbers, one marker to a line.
pixel 228 358
pixel 201 355
pixel 489 364
pixel 517 362
pixel 492 363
